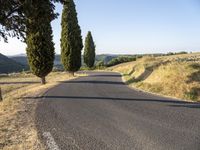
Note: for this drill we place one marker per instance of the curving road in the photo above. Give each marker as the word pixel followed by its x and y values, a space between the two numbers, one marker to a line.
pixel 99 112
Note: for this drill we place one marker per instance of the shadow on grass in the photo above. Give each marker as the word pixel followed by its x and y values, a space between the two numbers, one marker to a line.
pixel 28 82
pixel 132 80
pixel 147 72
pixel 193 94
pixel 130 73
pixel 194 77
pixel 142 77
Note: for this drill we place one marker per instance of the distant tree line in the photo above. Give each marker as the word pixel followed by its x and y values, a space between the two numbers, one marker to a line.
pixel 178 53
pixel 120 60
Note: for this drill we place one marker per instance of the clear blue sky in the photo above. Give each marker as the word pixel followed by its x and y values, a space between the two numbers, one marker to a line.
pixel 132 26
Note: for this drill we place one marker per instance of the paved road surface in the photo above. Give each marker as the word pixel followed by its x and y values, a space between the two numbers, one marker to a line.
pixel 100 112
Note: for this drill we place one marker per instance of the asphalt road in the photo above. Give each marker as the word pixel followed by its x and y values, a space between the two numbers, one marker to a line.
pixel 99 112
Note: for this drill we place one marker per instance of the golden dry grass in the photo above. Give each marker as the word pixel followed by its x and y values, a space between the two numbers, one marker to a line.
pixel 17 129
pixel 175 76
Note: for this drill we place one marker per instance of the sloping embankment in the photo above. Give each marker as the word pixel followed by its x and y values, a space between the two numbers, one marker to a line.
pixel 175 76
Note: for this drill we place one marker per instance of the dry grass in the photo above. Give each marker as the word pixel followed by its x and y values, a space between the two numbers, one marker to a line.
pixel 17 129
pixel 175 76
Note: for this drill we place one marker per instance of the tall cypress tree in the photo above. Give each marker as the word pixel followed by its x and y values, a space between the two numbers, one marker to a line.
pixel 89 51
pixel 39 39
pixel 71 39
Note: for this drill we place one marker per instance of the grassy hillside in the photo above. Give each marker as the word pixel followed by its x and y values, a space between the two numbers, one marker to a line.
pixel 176 76
pixel 8 65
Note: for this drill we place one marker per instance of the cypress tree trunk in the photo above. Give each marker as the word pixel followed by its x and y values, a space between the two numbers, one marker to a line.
pixel 43 80
pixel 71 73
pixel 1 97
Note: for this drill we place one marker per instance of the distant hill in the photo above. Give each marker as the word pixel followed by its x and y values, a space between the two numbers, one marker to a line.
pixel 22 59
pixel 8 65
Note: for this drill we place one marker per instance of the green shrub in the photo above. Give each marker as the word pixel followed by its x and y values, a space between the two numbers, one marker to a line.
pixel 120 60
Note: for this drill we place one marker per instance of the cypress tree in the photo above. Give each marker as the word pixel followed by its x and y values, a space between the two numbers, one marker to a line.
pixel 89 51
pixel 40 47
pixel 15 20
pixel 71 39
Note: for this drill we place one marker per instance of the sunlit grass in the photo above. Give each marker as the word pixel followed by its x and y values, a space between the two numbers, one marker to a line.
pixel 176 76
pixel 17 128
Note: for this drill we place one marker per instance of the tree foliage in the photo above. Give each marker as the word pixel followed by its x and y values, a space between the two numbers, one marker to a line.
pixel 13 17
pixel 120 60
pixel 89 51
pixel 71 39
pixel 40 46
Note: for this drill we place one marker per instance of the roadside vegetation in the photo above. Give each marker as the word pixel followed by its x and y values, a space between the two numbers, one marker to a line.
pixel 175 75
pixel 17 128
pixel 119 60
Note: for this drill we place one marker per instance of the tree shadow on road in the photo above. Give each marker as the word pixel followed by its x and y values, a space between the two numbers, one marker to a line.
pixel 171 103
pixel 186 106
pixel 106 75
pixel 95 82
